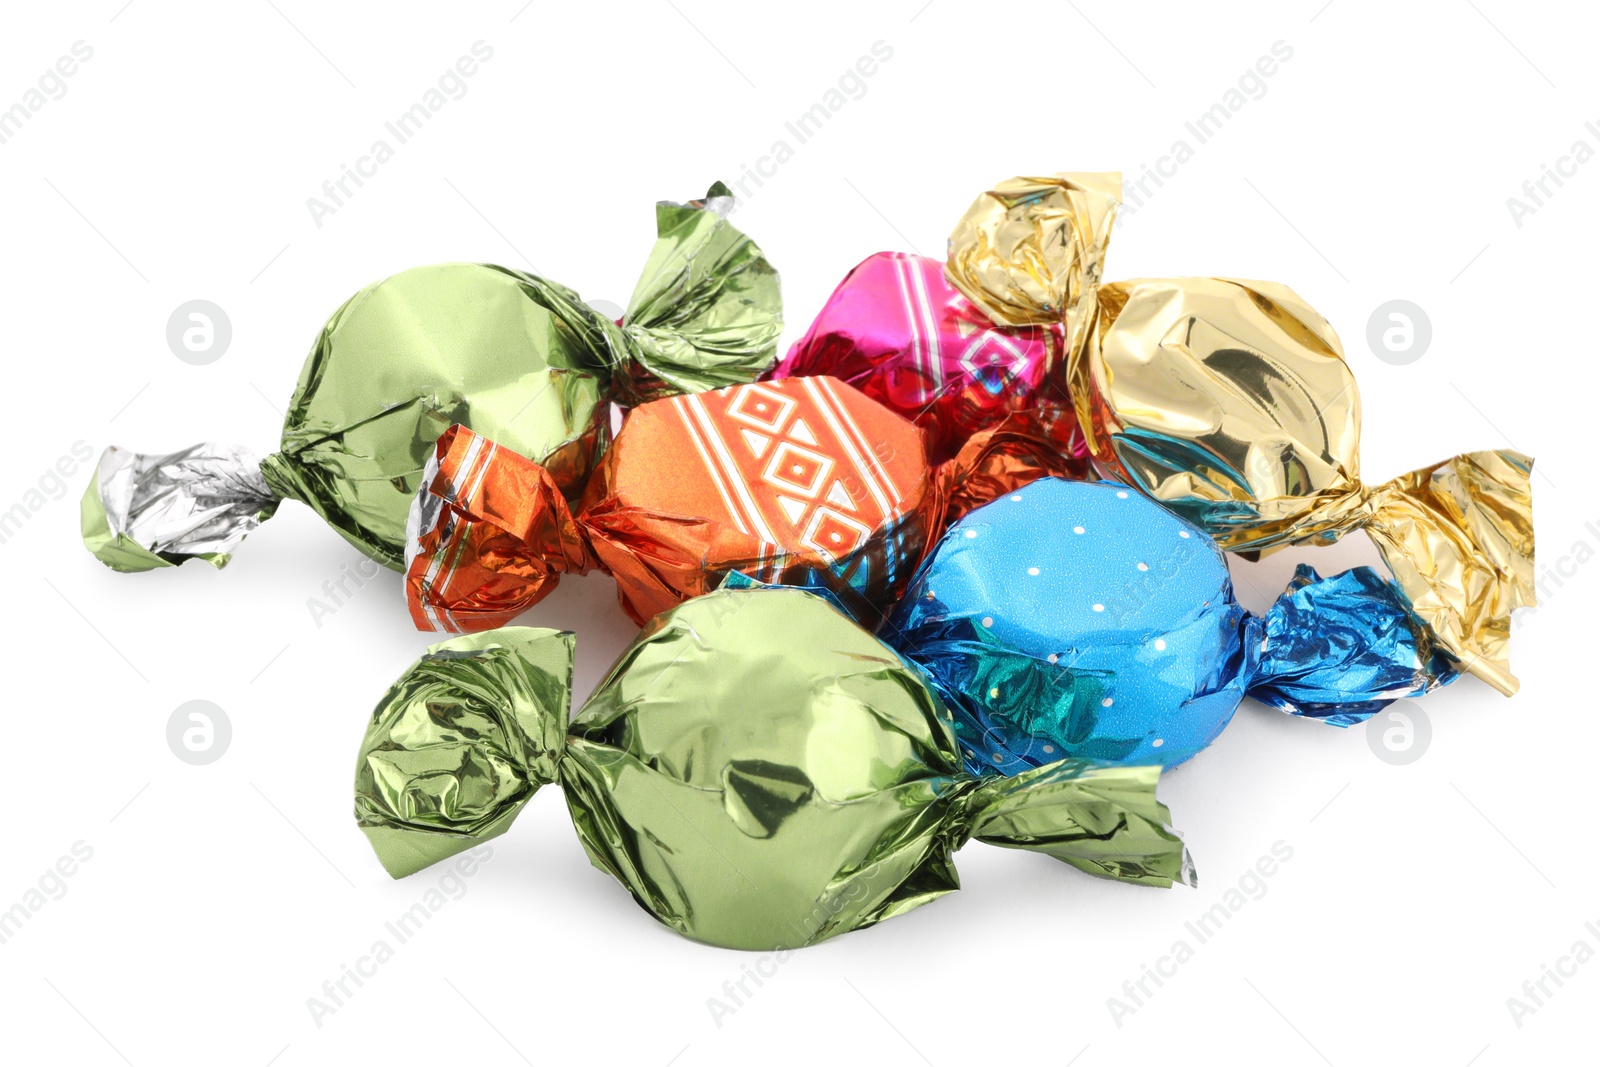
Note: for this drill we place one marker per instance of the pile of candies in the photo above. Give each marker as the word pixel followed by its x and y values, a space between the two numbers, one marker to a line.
pixel 954 568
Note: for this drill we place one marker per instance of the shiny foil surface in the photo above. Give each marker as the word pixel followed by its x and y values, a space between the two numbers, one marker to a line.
pixel 903 335
pixel 803 481
pixel 1079 619
pixel 1230 402
pixel 522 359
pixel 1030 251
pixel 756 770
pixel 143 512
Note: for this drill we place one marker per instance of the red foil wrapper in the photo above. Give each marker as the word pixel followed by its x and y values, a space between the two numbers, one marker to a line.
pixel 896 329
pixel 804 481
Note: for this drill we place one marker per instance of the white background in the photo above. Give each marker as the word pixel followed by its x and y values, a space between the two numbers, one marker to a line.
pixel 219 898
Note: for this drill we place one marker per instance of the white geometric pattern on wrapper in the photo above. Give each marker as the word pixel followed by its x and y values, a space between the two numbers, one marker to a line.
pixel 798 473
pixel 988 348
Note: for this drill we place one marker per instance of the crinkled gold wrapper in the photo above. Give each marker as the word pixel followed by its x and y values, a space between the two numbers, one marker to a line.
pixel 1030 250
pixel 1231 402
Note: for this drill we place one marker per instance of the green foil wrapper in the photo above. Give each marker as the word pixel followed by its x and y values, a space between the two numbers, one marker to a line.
pixel 756 770
pixel 518 358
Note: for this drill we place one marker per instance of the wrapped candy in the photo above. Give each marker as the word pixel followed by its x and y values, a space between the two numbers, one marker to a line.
pixel 756 770
pixel 516 356
pixel 1230 402
pixel 899 331
pixel 1079 619
pixel 803 481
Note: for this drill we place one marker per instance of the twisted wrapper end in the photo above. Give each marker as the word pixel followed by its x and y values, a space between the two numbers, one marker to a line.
pixel 461 742
pixel 1103 820
pixel 1042 442
pixel 1459 538
pixel 1031 251
pixel 144 512
pixel 708 309
pixel 488 537
pixel 1339 649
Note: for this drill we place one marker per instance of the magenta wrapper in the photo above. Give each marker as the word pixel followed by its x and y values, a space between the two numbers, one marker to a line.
pixel 902 334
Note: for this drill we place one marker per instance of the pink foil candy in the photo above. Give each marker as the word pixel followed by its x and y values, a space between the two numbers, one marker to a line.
pixel 899 332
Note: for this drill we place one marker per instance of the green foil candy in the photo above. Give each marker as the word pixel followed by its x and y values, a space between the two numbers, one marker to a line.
pixel 520 359
pixel 758 771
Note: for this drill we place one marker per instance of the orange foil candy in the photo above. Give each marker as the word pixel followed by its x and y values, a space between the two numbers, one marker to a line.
pixel 803 481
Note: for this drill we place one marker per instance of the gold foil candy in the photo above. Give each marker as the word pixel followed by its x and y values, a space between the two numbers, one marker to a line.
pixel 1231 402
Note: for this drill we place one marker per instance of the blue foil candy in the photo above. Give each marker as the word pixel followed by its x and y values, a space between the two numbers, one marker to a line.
pixel 1082 619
